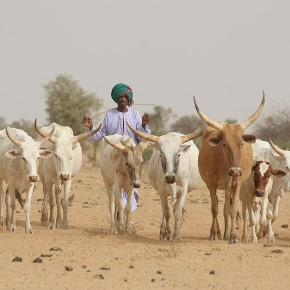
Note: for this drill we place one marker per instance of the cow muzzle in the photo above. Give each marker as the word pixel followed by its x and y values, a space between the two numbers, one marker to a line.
pixel 33 178
pixel 170 178
pixel 259 193
pixel 64 176
pixel 136 184
pixel 235 172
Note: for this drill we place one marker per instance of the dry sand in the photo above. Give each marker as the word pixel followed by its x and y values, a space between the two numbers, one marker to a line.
pixel 87 256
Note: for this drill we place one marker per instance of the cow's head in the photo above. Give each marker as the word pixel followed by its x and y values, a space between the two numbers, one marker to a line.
pixel 284 156
pixel 231 138
pixel 132 160
pixel 170 147
pixel 262 177
pixel 27 153
pixel 63 150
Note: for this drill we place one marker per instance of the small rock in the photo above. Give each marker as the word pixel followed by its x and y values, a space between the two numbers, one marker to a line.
pixel 105 268
pixel 46 255
pixel 153 280
pixel 99 276
pixel 55 249
pixel 68 268
pixel 37 260
pixel 277 251
pixel 212 272
pixel 284 226
pixel 159 272
pixel 17 259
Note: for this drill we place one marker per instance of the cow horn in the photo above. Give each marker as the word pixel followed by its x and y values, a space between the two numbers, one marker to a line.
pixel 191 136
pixel 16 142
pixel 42 141
pixel 214 124
pixel 84 136
pixel 52 139
pixel 145 136
pixel 254 117
pixel 277 149
pixel 118 146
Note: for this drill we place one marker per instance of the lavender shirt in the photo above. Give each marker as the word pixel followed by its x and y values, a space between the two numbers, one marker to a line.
pixel 115 123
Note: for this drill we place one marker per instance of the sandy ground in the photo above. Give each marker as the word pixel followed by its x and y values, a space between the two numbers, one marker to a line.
pixel 87 256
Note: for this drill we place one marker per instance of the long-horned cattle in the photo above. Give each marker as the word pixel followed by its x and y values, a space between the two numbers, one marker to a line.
pixel 225 162
pixel 59 170
pixel 121 164
pixel 173 172
pixel 280 159
pixel 254 195
pixel 19 158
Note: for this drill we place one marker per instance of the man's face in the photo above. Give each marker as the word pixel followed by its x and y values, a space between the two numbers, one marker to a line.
pixel 123 101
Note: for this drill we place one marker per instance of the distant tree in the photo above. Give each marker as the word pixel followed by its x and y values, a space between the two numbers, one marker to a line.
pixel 275 126
pixel 2 123
pixel 160 120
pixel 26 126
pixel 187 124
pixel 67 102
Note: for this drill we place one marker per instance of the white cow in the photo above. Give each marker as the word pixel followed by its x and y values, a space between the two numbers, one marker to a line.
pixel 279 159
pixel 59 170
pixel 254 195
pixel 19 158
pixel 173 171
pixel 121 163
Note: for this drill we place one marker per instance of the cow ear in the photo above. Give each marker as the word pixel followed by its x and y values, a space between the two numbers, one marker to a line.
pixel 45 153
pixel 12 153
pixel 278 173
pixel 184 147
pixel 249 138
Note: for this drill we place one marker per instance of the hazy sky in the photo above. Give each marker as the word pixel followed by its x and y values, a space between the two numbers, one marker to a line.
pixel 225 53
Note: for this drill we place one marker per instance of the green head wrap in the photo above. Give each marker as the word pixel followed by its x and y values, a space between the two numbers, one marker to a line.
pixel 119 89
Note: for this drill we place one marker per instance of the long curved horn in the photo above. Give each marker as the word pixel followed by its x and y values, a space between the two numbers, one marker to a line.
pixel 277 149
pixel 115 145
pixel 16 142
pixel 42 141
pixel 214 124
pixel 254 117
pixel 191 136
pixel 84 136
pixel 145 136
pixel 41 132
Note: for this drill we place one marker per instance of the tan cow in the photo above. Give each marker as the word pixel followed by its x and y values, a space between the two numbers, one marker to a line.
pixel 225 162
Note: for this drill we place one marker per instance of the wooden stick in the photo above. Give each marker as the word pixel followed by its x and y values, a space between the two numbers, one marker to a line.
pixel 114 108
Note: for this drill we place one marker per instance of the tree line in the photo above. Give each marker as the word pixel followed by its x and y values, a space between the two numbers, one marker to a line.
pixel 67 102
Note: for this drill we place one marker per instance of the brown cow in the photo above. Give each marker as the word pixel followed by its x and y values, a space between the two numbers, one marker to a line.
pixel 225 162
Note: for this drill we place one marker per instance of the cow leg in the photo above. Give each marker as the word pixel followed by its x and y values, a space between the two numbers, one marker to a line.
pixel 57 191
pixel 178 211
pixel 64 203
pixel 51 196
pixel 26 208
pixel 2 204
pixel 214 230
pixel 233 211
pixel 118 191
pixel 227 213
pixel 254 214
pixel 128 208
pixel 112 207
pixel 44 210
pixel 11 207
pixel 165 230
pixel 245 236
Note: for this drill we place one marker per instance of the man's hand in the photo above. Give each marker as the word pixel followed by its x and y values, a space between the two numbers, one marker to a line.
pixel 87 121
pixel 145 119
